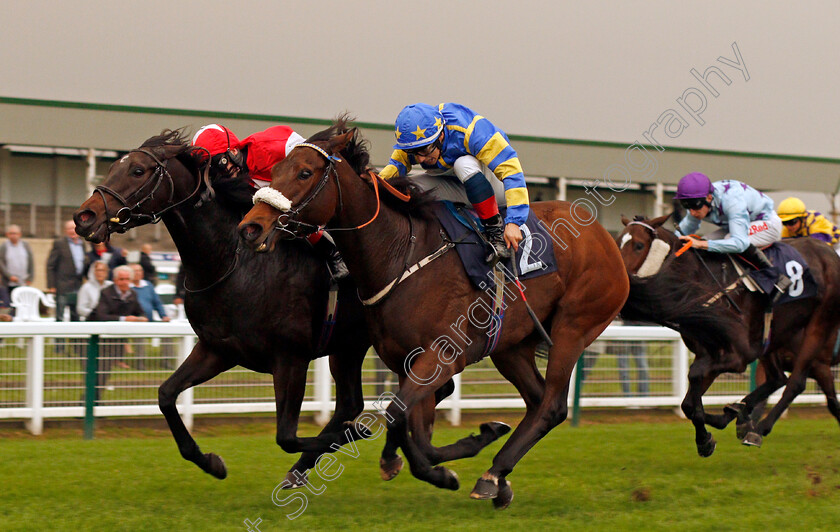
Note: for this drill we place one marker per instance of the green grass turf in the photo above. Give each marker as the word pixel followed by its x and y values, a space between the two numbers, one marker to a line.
pixel 626 473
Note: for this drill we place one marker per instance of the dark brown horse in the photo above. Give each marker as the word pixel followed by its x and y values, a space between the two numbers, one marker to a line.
pixel 727 333
pixel 421 328
pixel 264 312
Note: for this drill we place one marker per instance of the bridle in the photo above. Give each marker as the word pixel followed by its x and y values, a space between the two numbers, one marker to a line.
pixel 126 214
pixel 288 224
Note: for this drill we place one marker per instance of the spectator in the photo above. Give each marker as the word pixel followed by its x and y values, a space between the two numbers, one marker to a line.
pixel 117 302
pixel 65 267
pixel 5 305
pixel 16 264
pixel 150 301
pixel 88 297
pixel 149 270
pixel 146 295
pixel 180 287
pixel 113 255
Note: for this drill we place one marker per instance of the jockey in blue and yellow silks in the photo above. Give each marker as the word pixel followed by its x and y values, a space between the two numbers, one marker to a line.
pixel 463 152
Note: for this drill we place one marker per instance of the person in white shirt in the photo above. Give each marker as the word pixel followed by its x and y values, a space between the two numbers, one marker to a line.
pixel 88 296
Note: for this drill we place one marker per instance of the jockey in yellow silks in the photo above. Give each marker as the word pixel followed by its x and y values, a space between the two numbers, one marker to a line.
pixel 797 221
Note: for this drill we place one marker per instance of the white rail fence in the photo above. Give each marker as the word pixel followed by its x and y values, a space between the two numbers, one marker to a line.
pixel 42 375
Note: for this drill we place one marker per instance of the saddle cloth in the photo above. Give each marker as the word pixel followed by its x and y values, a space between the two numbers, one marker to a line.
pixel 790 262
pixel 535 256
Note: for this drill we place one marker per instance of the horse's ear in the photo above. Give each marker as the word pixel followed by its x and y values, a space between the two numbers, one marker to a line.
pixel 656 222
pixel 339 142
pixel 625 220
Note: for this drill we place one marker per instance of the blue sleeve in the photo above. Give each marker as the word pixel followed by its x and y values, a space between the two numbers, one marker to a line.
pixel 735 210
pixel 157 304
pixel 689 225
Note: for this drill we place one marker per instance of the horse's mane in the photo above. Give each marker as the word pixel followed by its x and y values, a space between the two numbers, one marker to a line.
pixel 358 156
pixel 675 297
pixel 356 152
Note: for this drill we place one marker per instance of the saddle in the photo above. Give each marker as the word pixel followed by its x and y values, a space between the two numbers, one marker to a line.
pixel 786 260
pixel 535 256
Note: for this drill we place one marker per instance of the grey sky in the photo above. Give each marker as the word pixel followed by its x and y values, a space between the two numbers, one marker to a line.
pixel 587 70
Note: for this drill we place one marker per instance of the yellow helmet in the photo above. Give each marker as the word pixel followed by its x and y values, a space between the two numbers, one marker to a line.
pixel 791 208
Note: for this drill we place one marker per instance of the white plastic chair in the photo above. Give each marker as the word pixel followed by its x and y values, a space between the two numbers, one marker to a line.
pixel 25 300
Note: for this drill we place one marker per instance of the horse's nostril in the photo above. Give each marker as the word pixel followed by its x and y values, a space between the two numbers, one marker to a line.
pixel 84 218
pixel 250 232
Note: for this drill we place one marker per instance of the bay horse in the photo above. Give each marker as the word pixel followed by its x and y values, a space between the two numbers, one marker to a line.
pixel 264 312
pixel 419 327
pixel 726 332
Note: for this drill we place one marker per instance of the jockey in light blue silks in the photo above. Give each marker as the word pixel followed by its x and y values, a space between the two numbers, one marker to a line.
pixel 467 159
pixel 745 216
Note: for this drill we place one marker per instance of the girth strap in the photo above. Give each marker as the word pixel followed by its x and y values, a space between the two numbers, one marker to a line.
pixel 408 273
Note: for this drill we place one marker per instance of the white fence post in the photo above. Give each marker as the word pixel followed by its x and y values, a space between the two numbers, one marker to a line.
pixel 455 411
pixel 35 384
pixel 323 387
pixel 680 374
pixel 185 400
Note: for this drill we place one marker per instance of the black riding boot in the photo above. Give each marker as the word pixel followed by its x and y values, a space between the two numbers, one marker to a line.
pixel 494 231
pixel 325 248
pixel 757 257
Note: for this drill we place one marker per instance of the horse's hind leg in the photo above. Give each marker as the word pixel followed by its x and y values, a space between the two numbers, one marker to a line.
pixel 421 421
pixel 390 463
pixel 202 365
pixel 825 379
pixel 795 383
pixel 346 369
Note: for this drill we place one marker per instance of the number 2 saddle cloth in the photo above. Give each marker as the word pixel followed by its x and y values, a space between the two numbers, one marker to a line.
pixel 790 262
pixel 534 258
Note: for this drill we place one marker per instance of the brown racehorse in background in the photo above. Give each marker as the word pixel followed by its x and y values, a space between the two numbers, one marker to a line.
pixel 420 328
pixel 727 335
pixel 264 312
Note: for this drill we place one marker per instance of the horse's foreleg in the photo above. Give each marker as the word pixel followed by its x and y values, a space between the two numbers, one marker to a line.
pixel 289 387
pixel 700 377
pixel 545 410
pixel 346 369
pixel 202 365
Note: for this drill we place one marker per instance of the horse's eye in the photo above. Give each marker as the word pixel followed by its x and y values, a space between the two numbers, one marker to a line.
pixel 138 171
pixel 304 174
pixel 638 246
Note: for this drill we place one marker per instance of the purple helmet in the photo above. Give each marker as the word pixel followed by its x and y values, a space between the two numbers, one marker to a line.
pixel 694 185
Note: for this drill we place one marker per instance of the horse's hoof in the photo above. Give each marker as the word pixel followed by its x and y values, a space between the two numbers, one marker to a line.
pixel 706 449
pixel 388 469
pixel 216 466
pixel 485 488
pixel 505 496
pixel 447 479
pixel 494 429
pixel 734 408
pixel 753 439
pixel 292 481
pixel 742 429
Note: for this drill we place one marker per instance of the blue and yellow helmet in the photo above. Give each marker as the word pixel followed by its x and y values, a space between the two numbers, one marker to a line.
pixel 417 125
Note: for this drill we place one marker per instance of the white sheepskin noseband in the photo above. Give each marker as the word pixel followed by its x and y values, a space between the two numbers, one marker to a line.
pixel 659 249
pixel 275 198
